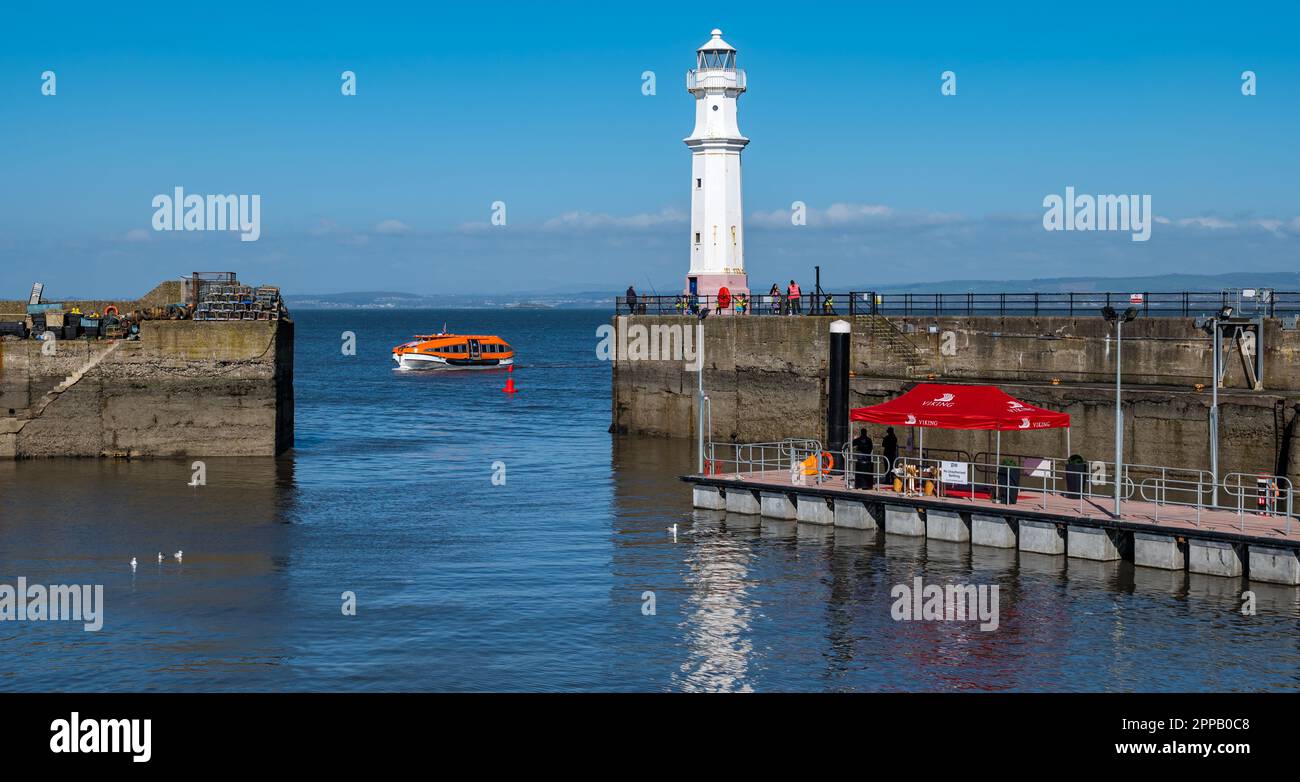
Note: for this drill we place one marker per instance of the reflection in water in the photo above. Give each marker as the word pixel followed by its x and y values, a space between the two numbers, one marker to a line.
pixel 775 605
pixel 716 628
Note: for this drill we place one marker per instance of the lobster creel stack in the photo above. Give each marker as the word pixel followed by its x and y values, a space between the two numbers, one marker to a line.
pixel 235 301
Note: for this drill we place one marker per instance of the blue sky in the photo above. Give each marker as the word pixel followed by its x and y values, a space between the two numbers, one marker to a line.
pixel 540 106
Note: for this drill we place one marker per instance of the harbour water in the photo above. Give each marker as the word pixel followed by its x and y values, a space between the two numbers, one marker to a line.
pixel 542 584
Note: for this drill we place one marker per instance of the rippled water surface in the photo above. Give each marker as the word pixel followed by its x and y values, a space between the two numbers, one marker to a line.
pixel 540 584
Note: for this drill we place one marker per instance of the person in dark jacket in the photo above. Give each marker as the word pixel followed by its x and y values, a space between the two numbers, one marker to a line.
pixel 890 444
pixel 863 476
pixel 631 300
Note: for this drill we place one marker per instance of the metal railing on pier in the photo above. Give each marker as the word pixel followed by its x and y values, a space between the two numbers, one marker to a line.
pixel 808 303
pixel 1177 304
pixel 1088 487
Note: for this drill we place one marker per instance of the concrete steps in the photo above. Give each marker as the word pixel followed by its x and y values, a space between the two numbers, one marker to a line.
pixel 81 371
pixel 899 346
pixel 67 382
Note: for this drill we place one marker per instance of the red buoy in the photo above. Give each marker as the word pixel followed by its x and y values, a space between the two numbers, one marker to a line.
pixel 510 382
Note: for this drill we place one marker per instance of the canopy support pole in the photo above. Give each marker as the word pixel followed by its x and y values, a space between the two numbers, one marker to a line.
pixel 921 452
pixel 997 463
pixel 1067 444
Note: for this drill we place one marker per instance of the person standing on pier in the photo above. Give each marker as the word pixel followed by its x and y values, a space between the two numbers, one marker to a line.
pixel 863 476
pixel 890 444
pixel 793 294
pixel 631 300
pixel 774 296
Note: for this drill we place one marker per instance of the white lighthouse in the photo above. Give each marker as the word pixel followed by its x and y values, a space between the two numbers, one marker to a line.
pixel 717 222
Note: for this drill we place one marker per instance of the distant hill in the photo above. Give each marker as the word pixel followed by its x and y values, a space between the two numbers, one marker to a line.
pixel 392 300
pixel 1281 281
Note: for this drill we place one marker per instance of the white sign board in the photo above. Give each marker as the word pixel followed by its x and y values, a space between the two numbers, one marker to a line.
pixel 1135 298
pixel 955 472
pixel 1038 468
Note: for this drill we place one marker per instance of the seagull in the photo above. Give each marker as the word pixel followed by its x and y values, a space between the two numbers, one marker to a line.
pixel 673 529
pixel 178 555
pixel 160 556
pixel 133 564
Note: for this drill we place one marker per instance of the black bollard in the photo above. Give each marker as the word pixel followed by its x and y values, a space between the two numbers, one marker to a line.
pixel 837 412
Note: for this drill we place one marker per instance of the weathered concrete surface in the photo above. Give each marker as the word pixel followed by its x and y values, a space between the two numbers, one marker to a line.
pixel 1159 551
pixel 743 501
pixel 992 531
pixel 852 514
pixel 708 498
pixel 904 520
pixel 1041 537
pixel 815 510
pixel 1099 545
pixel 183 389
pixel 1274 565
pixel 946 525
pixel 166 292
pixel 766 379
pixel 777 505
pixel 1214 558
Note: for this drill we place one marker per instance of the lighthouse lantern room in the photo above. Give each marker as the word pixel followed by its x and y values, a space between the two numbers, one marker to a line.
pixel 717 222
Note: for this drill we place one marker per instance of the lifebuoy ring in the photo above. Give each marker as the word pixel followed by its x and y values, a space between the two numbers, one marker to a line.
pixel 724 298
pixel 810 464
pixel 113 308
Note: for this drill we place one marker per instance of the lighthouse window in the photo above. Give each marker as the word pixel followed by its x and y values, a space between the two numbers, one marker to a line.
pixel 697 237
pixel 715 107
pixel 699 183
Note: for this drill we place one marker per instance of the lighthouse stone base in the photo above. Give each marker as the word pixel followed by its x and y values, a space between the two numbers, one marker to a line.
pixel 709 284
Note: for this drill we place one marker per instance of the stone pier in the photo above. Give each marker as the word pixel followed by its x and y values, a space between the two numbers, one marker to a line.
pixel 1274 565
pixel 946 525
pixel 708 498
pixel 993 531
pixel 852 514
pixel 1214 558
pixel 904 520
pixel 1041 537
pixel 743 501
pixel 1159 551
pixel 183 389
pixel 1093 543
pixel 815 509
pixel 777 505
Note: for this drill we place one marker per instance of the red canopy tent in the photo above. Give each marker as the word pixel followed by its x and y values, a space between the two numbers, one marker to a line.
pixel 962 407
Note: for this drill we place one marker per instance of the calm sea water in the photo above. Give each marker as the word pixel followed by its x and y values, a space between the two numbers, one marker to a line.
pixel 538 584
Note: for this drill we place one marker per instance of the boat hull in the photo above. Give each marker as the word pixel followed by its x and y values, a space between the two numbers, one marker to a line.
pixel 425 363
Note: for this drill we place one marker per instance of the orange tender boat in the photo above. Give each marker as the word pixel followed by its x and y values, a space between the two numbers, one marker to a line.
pixel 454 351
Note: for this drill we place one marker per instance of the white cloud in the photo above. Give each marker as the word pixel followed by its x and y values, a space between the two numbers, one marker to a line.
pixel 846 215
pixel 137 235
pixel 592 220
pixel 1280 228
pixel 392 227
pixel 1213 223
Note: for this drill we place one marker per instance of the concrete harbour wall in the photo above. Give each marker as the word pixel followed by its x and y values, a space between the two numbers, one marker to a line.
pixel 766 379
pixel 184 388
